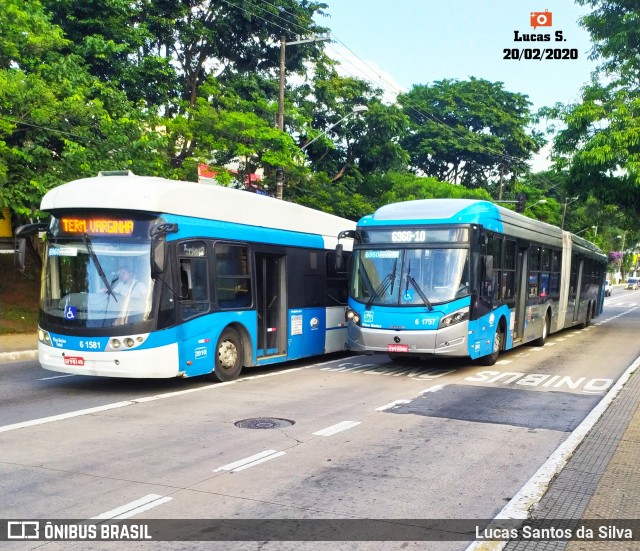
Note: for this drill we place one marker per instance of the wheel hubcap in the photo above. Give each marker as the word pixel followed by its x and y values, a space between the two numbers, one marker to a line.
pixel 227 355
pixel 496 343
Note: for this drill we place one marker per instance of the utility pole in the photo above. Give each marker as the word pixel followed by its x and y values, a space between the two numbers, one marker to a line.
pixel 280 116
pixel 567 202
pixel 280 123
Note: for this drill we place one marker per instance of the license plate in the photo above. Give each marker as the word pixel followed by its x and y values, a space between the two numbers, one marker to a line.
pixel 73 360
pixel 398 347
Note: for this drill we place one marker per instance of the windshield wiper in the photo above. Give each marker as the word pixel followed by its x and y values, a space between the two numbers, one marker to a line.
pixel 94 257
pixel 384 285
pixel 411 279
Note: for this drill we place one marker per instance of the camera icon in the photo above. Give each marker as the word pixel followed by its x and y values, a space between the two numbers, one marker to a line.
pixel 541 18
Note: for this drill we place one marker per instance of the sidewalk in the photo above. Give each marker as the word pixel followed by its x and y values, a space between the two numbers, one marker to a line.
pixel 22 346
pixel 600 481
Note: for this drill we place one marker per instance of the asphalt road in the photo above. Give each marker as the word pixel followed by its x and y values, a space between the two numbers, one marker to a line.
pixel 346 438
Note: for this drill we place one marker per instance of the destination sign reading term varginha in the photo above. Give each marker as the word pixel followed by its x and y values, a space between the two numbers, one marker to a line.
pixel 97 226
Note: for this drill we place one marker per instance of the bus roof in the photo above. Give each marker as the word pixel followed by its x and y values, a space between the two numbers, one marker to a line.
pixel 469 211
pixel 205 201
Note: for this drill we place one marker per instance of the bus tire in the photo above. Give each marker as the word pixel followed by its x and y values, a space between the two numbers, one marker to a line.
pixel 498 345
pixel 545 331
pixel 228 359
pixel 587 319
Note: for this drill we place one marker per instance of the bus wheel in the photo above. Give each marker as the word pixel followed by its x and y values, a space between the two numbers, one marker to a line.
pixel 228 356
pixel 587 319
pixel 492 358
pixel 545 331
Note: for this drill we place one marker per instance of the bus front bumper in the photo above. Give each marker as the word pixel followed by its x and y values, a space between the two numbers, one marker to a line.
pixel 449 341
pixel 156 363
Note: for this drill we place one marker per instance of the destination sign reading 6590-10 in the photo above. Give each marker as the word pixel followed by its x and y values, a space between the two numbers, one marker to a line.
pixel 417 236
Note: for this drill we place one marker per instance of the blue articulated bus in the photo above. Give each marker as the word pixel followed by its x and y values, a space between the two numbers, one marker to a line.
pixel 148 277
pixel 466 278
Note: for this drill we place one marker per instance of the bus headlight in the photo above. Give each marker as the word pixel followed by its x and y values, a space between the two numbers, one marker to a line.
pixel 126 342
pixel 353 316
pixel 44 337
pixel 455 318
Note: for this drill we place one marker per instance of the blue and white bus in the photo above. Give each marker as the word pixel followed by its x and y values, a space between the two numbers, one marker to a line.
pixel 146 277
pixel 466 278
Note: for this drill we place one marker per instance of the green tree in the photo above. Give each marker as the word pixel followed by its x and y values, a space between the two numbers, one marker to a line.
pixel 57 122
pixel 598 143
pixel 471 132
pixel 163 52
pixel 407 187
pixel 354 154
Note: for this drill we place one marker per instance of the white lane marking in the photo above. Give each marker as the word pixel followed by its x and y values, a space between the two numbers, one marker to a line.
pixel 433 389
pixel 62 416
pixel 531 493
pixel 252 461
pixel 115 405
pixel 56 377
pixel 339 427
pixel 138 506
pixel 392 405
pixel 503 362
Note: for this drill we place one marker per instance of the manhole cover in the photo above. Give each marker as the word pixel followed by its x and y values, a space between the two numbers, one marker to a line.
pixel 264 423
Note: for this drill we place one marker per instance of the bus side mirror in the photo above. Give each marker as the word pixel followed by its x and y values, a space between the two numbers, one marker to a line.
pixel 350 234
pixel 339 258
pixel 158 249
pixel 21 253
pixel 21 233
pixel 487 268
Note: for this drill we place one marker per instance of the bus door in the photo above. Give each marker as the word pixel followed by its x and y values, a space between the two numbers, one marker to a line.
pixel 577 291
pixel 522 291
pixel 271 304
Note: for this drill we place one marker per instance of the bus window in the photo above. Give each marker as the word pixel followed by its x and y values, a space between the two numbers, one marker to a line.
pixel 337 282
pixel 194 288
pixel 508 290
pixel 233 279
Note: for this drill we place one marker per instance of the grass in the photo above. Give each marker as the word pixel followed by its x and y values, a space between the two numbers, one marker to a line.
pixel 16 319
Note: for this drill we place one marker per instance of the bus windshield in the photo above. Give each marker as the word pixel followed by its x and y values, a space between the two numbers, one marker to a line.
pixel 96 282
pixel 410 277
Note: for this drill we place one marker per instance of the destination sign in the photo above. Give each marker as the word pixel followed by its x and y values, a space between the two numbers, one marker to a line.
pixel 424 234
pixel 97 226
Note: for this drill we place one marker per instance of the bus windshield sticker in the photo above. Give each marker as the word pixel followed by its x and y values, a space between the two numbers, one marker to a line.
pixel 382 254
pixel 63 251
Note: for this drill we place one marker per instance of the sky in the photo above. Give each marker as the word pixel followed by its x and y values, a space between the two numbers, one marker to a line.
pixel 409 42
pixel 400 43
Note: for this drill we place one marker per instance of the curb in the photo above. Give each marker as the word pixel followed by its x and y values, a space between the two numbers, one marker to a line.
pixel 16 356
pixel 521 505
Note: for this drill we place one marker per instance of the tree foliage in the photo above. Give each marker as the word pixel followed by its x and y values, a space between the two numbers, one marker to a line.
pixel 159 87
pixel 598 145
pixel 468 132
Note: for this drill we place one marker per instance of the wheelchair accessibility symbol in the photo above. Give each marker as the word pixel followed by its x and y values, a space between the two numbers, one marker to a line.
pixel 70 312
